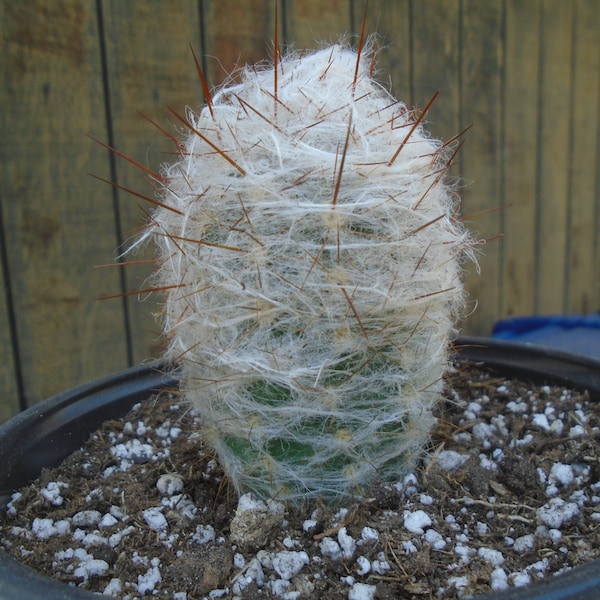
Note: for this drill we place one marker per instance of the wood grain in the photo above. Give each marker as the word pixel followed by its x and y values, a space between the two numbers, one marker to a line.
pixel 390 23
pixel 482 52
pixel 554 155
pixel 311 24
pixel 9 385
pixel 435 59
pixel 582 292
pixel 56 223
pixel 521 98
pixel 150 67
pixel 526 75
pixel 236 33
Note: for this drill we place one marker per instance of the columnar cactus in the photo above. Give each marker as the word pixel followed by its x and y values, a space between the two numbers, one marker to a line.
pixel 310 255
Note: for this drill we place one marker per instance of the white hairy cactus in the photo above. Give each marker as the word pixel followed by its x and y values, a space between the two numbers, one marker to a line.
pixel 310 256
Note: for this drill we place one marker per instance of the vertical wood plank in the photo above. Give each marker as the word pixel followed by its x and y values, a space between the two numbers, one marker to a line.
pixel 236 33
pixel 519 173
pixel 149 67
pixel 435 63
pixel 435 27
pixel 554 153
pixel 312 23
pixel 480 96
pixel 57 224
pixel 389 21
pixel 595 283
pixel 9 389
pixel 581 288
pixel 9 380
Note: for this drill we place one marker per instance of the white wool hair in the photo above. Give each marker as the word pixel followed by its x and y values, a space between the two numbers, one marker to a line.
pixel 313 282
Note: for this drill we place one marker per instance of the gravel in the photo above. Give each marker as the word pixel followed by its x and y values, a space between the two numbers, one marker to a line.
pixel 508 494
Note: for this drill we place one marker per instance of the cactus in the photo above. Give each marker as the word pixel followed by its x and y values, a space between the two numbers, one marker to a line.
pixel 311 260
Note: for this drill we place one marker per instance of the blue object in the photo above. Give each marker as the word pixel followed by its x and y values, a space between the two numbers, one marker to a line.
pixel 576 333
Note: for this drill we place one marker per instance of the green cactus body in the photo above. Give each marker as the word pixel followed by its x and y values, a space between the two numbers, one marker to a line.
pixel 312 262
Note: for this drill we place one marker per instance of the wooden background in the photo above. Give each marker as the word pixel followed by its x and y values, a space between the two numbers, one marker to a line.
pixel 525 73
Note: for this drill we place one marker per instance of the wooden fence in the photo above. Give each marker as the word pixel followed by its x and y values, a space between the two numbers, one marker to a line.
pixel 525 73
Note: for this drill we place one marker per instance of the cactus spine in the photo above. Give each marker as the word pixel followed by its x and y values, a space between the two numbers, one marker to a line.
pixel 307 242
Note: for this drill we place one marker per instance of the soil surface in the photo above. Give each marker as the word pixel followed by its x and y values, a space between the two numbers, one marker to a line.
pixel 509 493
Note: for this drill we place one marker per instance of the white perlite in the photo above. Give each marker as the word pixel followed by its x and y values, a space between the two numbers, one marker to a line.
pixel 310 255
pixel 155 519
pixel 362 591
pixel 416 521
pixel 287 564
pixel 555 512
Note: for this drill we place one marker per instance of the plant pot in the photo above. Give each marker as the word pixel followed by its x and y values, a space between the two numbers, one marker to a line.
pixel 45 434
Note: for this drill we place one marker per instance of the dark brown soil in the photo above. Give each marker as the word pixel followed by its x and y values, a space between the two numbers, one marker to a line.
pixel 522 503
